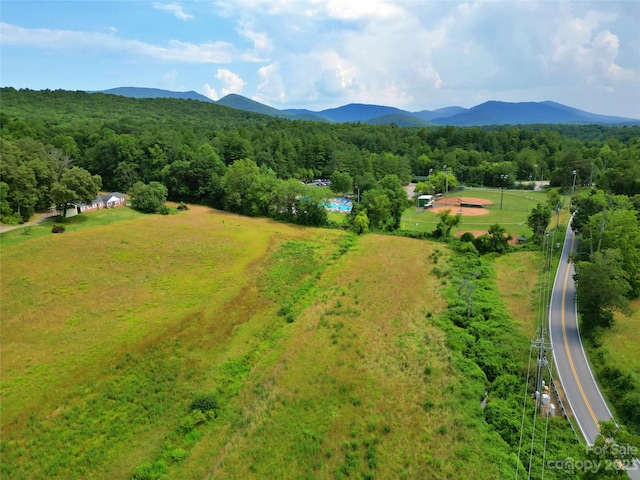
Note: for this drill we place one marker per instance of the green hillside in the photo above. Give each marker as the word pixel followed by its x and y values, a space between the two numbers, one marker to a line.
pixel 321 354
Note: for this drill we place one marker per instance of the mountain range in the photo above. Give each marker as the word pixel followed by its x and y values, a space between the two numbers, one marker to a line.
pixel 488 113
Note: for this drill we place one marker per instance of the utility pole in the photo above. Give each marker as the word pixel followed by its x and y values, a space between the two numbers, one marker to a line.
pixel 429 191
pixel 542 345
pixel 446 177
pixel 573 187
pixel 503 178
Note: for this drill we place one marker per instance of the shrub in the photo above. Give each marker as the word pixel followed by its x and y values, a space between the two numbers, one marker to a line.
pixel 191 421
pixel 178 454
pixel 163 210
pixel 467 237
pixel 467 247
pixel 143 471
pixel 204 402
pixel 13 219
pixel 58 229
pixel 286 311
pixel 183 207
pixel 149 471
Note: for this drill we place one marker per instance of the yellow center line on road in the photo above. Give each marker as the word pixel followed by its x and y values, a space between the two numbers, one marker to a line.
pixel 566 344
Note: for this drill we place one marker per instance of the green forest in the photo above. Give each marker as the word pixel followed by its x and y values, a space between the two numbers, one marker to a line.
pixel 188 146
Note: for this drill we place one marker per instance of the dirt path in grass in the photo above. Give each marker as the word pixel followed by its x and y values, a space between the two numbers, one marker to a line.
pixel 38 217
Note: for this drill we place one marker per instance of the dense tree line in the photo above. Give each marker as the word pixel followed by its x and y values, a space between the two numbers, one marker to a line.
pixel 608 258
pixel 188 146
pixel 607 278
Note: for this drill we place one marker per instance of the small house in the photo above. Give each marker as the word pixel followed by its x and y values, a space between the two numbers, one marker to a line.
pixel 102 201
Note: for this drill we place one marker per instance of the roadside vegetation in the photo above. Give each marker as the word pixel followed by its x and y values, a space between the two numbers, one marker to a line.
pixel 608 286
pixel 616 360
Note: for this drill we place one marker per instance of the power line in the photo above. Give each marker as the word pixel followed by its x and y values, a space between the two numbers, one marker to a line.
pixel 541 345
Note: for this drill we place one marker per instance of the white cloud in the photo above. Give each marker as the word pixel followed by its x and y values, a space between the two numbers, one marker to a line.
pixel 261 44
pixel 232 82
pixel 214 52
pixel 429 54
pixel 335 75
pixel 69 40
pixel 271 87
pixel 583 51
pixel 210 92
pixel 410 54
pixel 174 8
pixel 361 9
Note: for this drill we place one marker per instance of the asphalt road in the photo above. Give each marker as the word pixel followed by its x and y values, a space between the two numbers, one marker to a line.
pixel 582 392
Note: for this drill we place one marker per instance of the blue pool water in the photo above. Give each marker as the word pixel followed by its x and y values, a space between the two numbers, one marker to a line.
pixel 341 204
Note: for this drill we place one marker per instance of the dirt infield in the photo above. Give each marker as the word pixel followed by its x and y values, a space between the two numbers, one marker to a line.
pixel 453 203
pixel 464 211
pixel 458 200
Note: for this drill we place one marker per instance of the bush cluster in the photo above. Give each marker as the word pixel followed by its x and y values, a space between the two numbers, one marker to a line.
pixel 204 402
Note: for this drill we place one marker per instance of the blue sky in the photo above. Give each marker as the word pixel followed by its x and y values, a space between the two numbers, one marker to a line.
pixel 317 54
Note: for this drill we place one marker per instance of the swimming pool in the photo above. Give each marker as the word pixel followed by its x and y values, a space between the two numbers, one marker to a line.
pixel 341 204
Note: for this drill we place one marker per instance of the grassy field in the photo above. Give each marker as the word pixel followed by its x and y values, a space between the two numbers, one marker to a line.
pixel 622 342
pixel 316 344
pixel 337 217
pixel 517 281
pixel 516 206
pixel 79 222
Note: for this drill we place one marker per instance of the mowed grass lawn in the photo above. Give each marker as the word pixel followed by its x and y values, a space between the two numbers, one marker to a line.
pixel 516 206
pixel 72 224
pixel 316 344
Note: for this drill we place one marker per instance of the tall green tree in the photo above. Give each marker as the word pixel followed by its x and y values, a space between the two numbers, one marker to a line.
pixel 442 182
pixel 553 198
pixel 447 223
pixel 27 173
pixel 148 198
pixel 378 207
pixel 385 203
pixel 538 219
pixel 398 198
pixel 361 222
pixel 248 188
pixel 586 205
pixel 602 286
pixel 341 182
pixel 615 229
pixel 75 185
pixel 496 240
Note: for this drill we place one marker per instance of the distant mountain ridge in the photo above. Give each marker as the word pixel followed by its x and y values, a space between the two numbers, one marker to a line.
pixel 488 113
pixel 140 92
